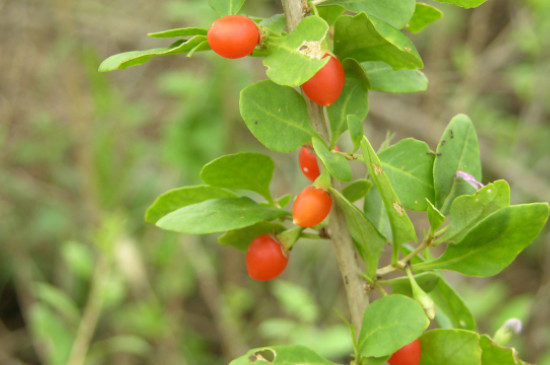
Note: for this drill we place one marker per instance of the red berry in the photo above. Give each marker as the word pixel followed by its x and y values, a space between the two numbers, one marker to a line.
pixel 407 355
pixel 308 163
pixel 311 207
pixel 265 258
pixel 233 36
pixel 325 86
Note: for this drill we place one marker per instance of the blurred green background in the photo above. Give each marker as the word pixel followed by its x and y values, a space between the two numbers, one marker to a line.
pixel 83 280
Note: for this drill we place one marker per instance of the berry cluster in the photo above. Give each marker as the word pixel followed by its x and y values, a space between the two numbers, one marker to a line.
pixel 236 36
pixel 266 257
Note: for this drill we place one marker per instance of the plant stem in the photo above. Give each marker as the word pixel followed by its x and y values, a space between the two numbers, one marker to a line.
pixel 90 316
pixel 348 260
pixel 401 264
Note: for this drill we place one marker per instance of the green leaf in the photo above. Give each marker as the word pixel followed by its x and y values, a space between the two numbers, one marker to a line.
pixel 244 170
pixel 58 300
pixel 357 189
pixel 384 78
pixel 368 241
pixel 458 149
pixel 354 100
pixel 493 354
pixel 464 3
pixel 47 327
pixel 178 32
pixel 424 15
pixel 355 127
pixel 330 13
pixel 284 200
pixel 493 243
pixel 402 285
pixel 134 58
pixel 296 57
pixel 366 38
pixel 335 163
pixel 276 115
pixel 178 198
pixel 376 213
pixel 226 7
pixel 276 23
pixel 451 310
pixel 409 166
pixel 400 223
pixel 469 210
pixel 434 216
pixel 241 238
pixel 395 12
pixel 390 323
pixel 218 215
pixel 450 347
pixel 281 355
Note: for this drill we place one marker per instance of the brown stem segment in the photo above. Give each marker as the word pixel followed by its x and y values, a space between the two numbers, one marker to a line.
pixel 348 261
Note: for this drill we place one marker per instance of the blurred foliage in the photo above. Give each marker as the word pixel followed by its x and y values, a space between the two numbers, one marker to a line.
pixel 84 154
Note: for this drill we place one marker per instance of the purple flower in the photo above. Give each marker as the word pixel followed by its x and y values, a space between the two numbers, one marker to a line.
pixel 469 179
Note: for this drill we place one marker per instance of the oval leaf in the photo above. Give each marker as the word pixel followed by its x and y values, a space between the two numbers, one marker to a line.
pixel 424 15
pixel 179 198
pixel 134 58
pixel 218 215
pixel 469 210
pixel 409 166
pixel 384 78
pixel 450 347
pixel 495 354
pixel 458 149
pixel 378 41
pixel 245 170
pixel 494 243
pixel 395 12
pixel 178 32
pixel 390 323
pixel 357 190
pixel 276 115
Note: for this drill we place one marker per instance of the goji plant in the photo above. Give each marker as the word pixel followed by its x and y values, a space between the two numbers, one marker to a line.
pixel 476 230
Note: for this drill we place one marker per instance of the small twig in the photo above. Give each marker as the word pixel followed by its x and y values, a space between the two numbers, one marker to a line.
pixel 402 264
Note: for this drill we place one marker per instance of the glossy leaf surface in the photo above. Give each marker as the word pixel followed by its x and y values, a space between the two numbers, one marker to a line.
pixel 390 323
pixel 244 170
pixel 179 198
pixel 366 38
pixel 458 150
pixel 493 243
pixel 276 115
pixel 218 215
